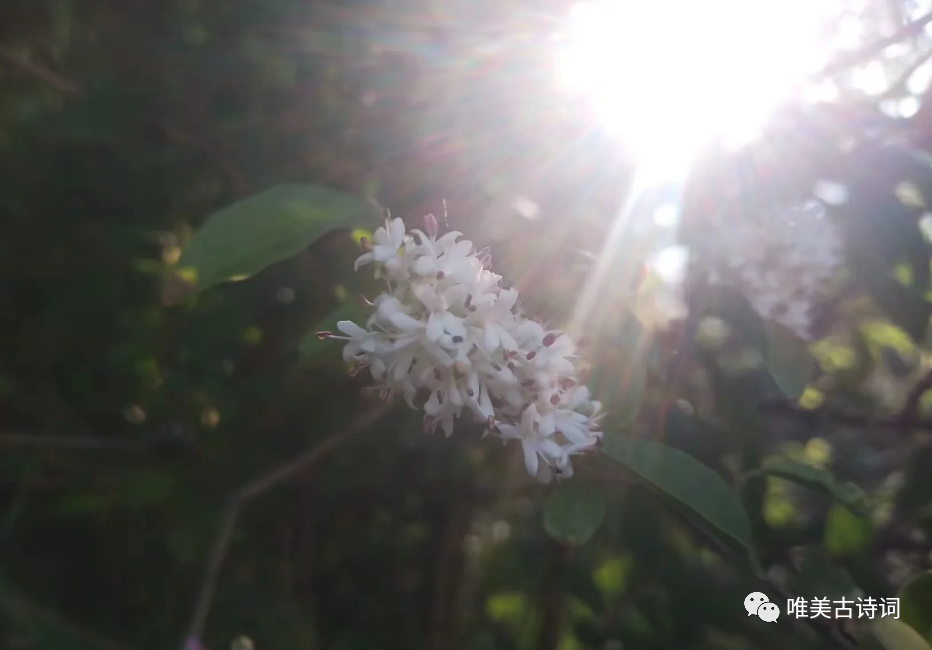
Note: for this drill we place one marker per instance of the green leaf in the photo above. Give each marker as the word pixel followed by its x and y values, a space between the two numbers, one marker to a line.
pixel 848 494
pixel 686 480
pixel 897 635
pixel 789 360
pixel 573 512
pixel 846 533
pixel 240 240
pixel 916 604
pixel 312 346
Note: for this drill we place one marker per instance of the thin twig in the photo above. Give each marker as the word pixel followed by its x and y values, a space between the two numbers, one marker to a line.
pixel 865 54
pixel 73 443
pixel 253 489
pixel 39 71
pixel 22 608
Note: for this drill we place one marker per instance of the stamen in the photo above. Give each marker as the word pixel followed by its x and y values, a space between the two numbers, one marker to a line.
pixel 324 335
pixel 531 355
pixel 555 399
pixel 457 339
pixel 366 301
pixel 440 275
pixel 468 302
pixel 365 243
pixel 549 340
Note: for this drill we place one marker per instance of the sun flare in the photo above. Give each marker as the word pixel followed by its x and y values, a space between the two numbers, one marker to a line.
pixel 669 76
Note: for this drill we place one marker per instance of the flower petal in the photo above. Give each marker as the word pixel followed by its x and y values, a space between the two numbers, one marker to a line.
pixel 350 328
pixel 362 260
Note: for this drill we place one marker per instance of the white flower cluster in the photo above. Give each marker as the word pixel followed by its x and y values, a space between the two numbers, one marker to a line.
pixel 446 328
pixel 783 262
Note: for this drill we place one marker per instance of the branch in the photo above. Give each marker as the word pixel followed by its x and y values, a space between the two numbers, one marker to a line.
pixel 910 410
pixel 73 443
pixel 447 574
pixel 852 59
pixel 67 87
pixel 39 71
pixel 900 85
pixel 824 628
pixel 552 597
pixel 253 489
pixel 827 628
pixel 22 608
pixel 907 419
pixel 238 182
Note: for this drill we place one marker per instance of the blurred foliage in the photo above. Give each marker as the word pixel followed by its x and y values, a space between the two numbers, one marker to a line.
pixel 132 408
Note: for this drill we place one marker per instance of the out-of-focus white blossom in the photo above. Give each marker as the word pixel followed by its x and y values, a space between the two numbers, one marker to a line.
pixel 446 328
pixel 783 262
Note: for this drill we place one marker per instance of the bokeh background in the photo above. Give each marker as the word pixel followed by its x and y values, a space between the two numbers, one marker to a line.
pixel 130 419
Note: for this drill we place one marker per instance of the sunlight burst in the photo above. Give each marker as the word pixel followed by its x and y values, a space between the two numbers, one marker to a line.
pixel 669 76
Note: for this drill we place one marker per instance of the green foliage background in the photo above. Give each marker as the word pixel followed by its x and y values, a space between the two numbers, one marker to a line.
pixel 133 409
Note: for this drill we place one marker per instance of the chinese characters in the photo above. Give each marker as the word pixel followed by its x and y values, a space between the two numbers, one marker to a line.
pixel 869 608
